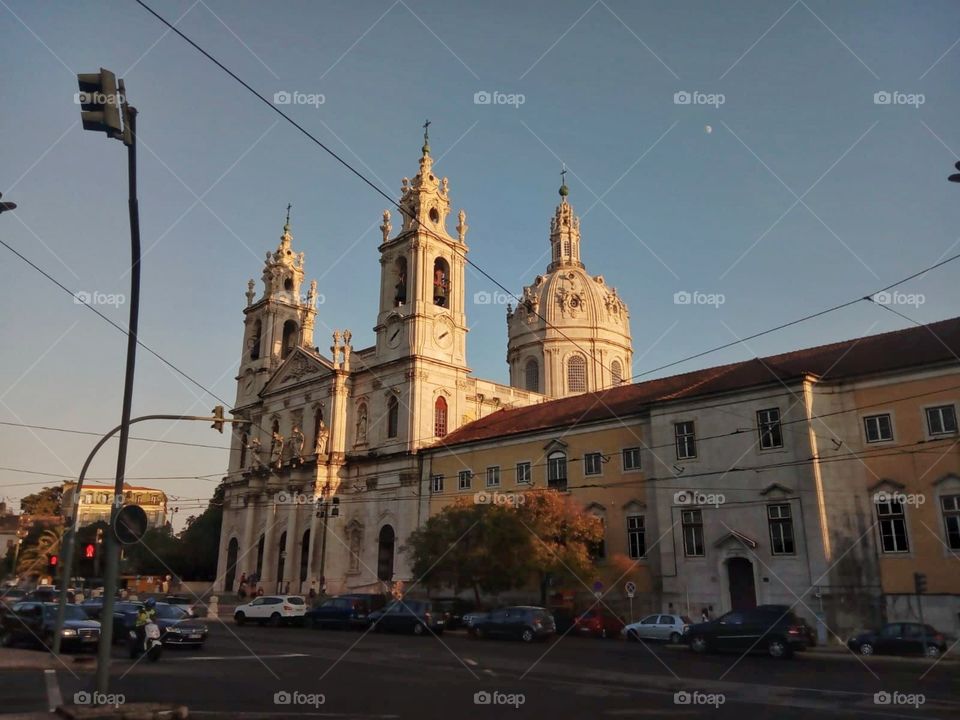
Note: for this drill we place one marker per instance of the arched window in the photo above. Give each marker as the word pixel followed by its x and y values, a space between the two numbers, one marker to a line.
pixel 616 372
pixel 281 556
pixel 400 269
pixel 243 451
pixel 289 337
pixel 260 545
pixel 304 556
pixel 557 470
pixel 531 374
pixel 232 550
pixel 566 248
pixel 440 417
pixel 576 374
pixel 255 341
pixel 385 546
pixel 393 416
pixel 441 282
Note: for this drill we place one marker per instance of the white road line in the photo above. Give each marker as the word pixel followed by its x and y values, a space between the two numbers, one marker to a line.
pixel 54 699
pixel 246 657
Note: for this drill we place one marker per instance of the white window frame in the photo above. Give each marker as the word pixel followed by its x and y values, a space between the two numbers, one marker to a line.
pixel 694 523
pixel 464 475
pixel 589 469
pixel 493 476
pixel 876 418
pixel 941 433
pixel 692 435
pixel 436 483
pixel 766 426
pixel 524 472
pixel 623 459
pixel 776 521
pixel 888 513
pixel 636 525
pixel 950 510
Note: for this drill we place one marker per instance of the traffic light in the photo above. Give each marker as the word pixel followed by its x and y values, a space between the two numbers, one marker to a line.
pixel 218 419
pixel 52 560
pixel 90 551
pixel 920 583
pixel 100 103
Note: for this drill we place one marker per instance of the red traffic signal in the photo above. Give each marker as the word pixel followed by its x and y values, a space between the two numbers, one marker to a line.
pixel 52 560
pixel 90 550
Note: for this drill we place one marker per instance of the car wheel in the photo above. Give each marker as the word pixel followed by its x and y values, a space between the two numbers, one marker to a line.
pixel 527 635
pixel 699 644
pixel 778 648
pixel 275 620
pixel 933 651
pixel 419 629
pixel 865 649
pixel 239 618
pixel 477 633
pixel 632 636
pixel 675 638
pixel 6 638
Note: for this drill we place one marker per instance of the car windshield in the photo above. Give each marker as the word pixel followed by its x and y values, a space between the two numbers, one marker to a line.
pixel 295 600
pixel 72 612
pixel 170 612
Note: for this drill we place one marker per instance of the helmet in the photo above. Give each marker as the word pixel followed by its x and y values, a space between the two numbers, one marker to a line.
pixel 150 603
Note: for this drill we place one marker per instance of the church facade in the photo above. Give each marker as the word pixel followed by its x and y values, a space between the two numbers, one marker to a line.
pixel 323 484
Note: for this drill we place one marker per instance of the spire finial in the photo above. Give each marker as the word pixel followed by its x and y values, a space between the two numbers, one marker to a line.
pixel 564 190
pixel 286 225
pixel 426 138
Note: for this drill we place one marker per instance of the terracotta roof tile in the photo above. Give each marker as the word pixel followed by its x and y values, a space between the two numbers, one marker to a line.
pixel 873 354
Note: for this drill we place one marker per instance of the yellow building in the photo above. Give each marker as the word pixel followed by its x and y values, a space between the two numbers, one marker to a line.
pixel 96 502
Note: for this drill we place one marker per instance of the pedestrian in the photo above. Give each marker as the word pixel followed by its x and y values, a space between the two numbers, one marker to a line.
pixel 704 615
pixel 259 592
pixel 243 579
pixel 312 594
pixel 242 591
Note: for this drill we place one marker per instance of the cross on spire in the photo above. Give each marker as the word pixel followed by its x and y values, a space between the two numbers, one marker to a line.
pixel 564 191
pixel 426 131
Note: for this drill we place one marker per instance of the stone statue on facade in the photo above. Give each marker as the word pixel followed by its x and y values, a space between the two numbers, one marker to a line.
pixel 276 448
pixel 320 443
pixel 362 426
pixel 256 462
pixel 296 445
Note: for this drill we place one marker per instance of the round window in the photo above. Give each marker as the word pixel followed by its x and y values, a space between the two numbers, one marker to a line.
pixel 434 215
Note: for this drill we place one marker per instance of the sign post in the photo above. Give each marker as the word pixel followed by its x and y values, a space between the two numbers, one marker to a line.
pixel 630 588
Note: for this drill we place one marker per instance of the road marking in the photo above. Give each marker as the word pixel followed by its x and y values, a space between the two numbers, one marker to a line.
pixel 247 657
pixel 54 699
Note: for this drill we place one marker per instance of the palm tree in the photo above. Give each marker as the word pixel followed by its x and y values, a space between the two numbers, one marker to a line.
pixel 34 558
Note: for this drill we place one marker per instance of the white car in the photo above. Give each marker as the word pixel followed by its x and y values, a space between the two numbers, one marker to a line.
pixel 273 609
pixel 668 628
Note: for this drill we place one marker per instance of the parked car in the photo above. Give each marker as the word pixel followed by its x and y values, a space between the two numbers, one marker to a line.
pixel 598 622
pixel 43 594
pixel 344 611
pixel 776 633
pixel 181 601
pixel 11 596
pixel 810 631
pixel 470 618
pixel 668 628
pixel 453 609
pixel 273 609
pixel 900 639
pixel 526 622
pixel 175 625
pixel 35 623
pixel 564 618
pixel 416 616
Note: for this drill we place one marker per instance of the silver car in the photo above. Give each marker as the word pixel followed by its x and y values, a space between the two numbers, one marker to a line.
pixel 667 628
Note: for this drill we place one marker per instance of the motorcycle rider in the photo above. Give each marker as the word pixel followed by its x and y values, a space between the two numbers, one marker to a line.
pixel 145 615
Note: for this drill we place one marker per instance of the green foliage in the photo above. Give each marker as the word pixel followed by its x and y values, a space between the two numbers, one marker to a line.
pixel 43 502
pixel 493 548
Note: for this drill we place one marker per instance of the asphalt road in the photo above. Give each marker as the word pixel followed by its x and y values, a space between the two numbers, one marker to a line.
pixel 251 671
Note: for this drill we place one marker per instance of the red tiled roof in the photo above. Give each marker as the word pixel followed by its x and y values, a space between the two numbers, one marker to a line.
pixel 873 354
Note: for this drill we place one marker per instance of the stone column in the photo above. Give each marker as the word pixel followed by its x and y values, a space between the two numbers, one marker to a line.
pixel 268 574
pixel 311 553
pixel 292 548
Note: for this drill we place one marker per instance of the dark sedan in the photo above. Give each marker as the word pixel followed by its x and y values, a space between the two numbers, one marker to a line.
pixel 176 626
pixel 900 639
pixel 342 612
pixel 416 616
pixel 767 630
pixel 526 622
pixel 36 622
pixel 453 609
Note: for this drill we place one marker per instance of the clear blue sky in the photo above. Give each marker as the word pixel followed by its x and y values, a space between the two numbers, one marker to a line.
pixel 672 196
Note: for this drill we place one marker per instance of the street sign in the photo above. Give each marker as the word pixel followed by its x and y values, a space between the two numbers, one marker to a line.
pixel 631 588
pixel 131 524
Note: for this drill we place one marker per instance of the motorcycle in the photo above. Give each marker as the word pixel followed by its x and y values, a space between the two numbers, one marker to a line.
pixel 150 645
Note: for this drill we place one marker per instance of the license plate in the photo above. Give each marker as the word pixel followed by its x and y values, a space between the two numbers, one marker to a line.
pixel 195 636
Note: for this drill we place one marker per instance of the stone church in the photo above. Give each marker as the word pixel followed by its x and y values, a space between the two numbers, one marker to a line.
pixel 323 484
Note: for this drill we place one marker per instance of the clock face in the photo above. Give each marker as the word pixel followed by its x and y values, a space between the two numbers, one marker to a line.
pixel 443 332
pixel 394 334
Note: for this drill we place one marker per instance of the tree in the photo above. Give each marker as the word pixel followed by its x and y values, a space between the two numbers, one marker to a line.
pixel 494 548
pixel 33 556
pixel 200 540
pixel 43 502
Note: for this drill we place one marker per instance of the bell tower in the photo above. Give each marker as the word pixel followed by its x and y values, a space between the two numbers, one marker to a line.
pixel 279 321
pixel 422 273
